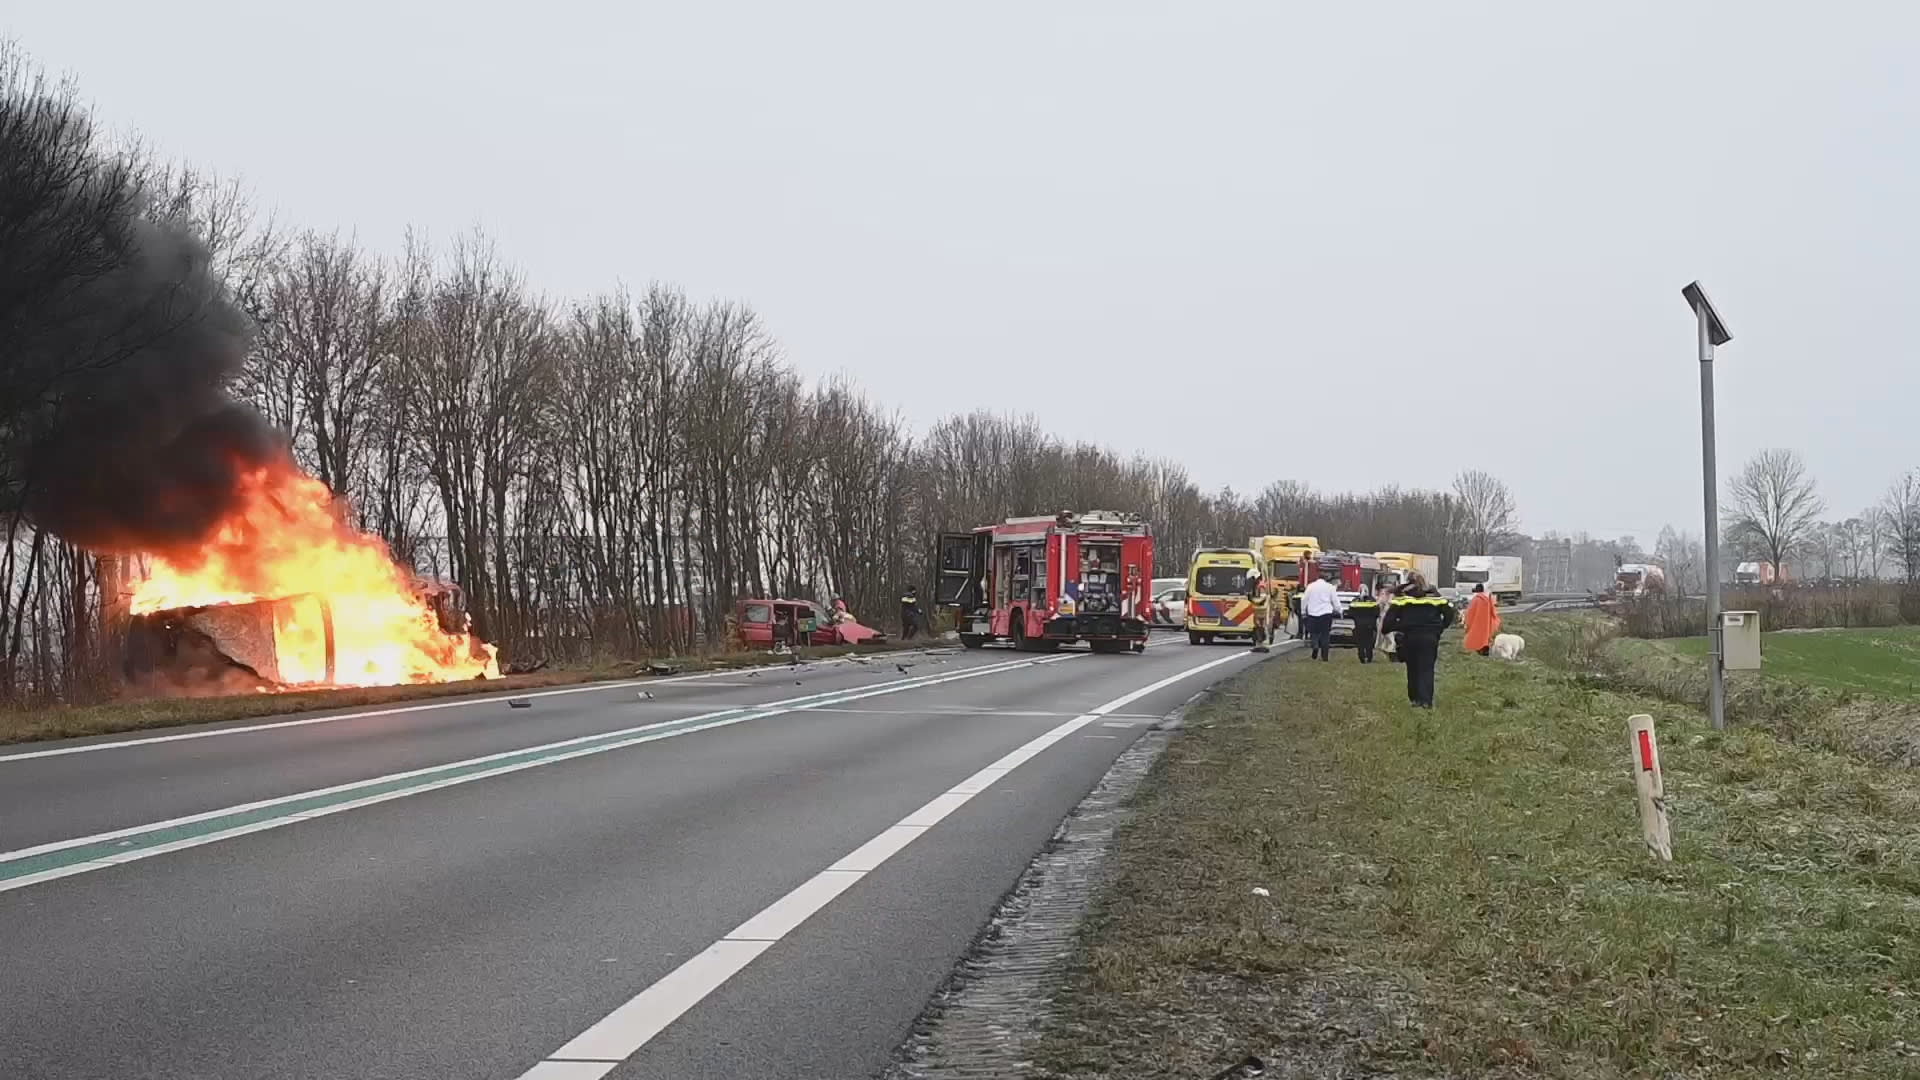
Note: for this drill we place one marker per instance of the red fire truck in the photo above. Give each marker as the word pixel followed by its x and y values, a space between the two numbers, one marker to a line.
pixel 1042 582
pixel 1356 574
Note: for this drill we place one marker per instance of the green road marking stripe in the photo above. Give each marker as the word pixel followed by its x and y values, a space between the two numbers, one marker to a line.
pixel 54 860
pixel 214 826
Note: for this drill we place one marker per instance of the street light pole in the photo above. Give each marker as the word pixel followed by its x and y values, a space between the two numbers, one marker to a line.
pixel 1712 332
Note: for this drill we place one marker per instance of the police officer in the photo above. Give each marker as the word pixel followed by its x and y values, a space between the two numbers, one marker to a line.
pixel 1365 613
pixel 910 612
pixel 1420 615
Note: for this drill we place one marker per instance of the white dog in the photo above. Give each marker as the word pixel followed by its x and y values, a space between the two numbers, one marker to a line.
pixel 1508 646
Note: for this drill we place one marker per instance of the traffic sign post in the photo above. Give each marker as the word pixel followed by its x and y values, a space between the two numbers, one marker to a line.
pixel 1712 332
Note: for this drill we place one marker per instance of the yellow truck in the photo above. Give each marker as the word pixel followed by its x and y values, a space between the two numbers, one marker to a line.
pixel 1403 563
pixel 1280 561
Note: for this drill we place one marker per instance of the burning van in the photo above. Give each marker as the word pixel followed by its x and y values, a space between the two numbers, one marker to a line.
pixel 225 648
pixel 297 641
pixel 287 594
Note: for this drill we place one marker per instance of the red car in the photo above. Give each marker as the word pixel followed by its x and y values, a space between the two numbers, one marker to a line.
pixel 766 623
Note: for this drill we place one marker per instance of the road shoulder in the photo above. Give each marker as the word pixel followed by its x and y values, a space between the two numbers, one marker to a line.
pixel 1318 877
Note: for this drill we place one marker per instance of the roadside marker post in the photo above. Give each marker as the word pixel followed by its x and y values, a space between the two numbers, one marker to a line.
pixel 1651 791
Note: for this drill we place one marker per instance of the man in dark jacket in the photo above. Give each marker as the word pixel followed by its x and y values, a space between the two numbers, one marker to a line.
pixel 1365 613
pixel 910 618
pixel 1420 615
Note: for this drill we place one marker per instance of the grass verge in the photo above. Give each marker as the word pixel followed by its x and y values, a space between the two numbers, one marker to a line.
pixel 1838 690
pixel 68 721
pixel 1464 892
pixel 1883 661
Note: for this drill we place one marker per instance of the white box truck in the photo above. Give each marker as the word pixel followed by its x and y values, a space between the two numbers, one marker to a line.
pixel 1499 573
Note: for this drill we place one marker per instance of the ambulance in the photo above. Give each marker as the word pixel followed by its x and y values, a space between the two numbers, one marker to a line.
pixel 1224 595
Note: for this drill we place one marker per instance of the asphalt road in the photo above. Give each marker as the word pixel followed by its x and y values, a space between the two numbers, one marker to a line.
pixel 740 876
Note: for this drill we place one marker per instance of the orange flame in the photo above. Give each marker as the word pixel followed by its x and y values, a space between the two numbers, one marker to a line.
pixel 289 541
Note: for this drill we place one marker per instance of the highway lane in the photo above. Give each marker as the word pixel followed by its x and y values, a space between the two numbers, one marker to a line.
pixel 481 928
pixel 51 791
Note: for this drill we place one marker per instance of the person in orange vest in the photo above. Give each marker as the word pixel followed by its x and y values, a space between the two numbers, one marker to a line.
pixel 1483 621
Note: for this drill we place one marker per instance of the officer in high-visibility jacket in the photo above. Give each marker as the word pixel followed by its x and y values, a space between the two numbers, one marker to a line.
pixel 1420 615
pixel 910 618
pixel 1365 613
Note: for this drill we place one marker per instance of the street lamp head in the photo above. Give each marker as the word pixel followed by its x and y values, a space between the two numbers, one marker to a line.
pixel 1697 299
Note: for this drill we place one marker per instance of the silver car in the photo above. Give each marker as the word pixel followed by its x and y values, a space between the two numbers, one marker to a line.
pixel 1169 602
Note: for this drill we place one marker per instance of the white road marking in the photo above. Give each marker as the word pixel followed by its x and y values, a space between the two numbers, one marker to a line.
pixel 961 710
pixel 632 736
pixel 571 1070
pixel 460 701
pixel 622 1032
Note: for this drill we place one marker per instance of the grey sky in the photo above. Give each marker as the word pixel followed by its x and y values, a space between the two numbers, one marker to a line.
pixel 1150 224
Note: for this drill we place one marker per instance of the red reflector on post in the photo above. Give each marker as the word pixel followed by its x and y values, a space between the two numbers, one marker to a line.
pixel 1646 750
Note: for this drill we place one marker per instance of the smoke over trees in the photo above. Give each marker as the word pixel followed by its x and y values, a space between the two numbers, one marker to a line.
pixel 603 476
pixel 121 340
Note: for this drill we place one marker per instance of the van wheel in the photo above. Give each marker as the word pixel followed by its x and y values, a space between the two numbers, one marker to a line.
pixel 1193 637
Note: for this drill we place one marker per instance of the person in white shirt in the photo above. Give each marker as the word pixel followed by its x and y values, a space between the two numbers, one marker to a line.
pixel 1319 604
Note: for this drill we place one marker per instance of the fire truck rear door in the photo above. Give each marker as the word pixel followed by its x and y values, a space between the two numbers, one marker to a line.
pixel 961 566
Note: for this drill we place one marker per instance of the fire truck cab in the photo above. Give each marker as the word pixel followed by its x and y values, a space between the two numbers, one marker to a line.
pixel 1355 575
pixel 1043 582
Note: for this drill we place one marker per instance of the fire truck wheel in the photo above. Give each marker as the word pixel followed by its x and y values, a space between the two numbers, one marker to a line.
pixel 1139 646
pixel 973 641
pixel 1105 645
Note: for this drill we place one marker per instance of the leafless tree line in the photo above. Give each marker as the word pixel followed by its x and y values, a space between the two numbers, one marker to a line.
pixel 610 476
pixel 1775 515
pixel 603 477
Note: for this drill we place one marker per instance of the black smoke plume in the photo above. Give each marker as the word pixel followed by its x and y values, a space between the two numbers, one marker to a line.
pixel 144 446
pixel 117 340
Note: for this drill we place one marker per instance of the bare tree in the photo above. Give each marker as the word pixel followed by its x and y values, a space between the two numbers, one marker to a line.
pixel 324 339
pixel 1900 518
pixel 1825 551
pixel 1850 545
pixel 1873 539
pixel 1683 556
pixel 1774 510
pixel 478 360
pixel 1488 517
